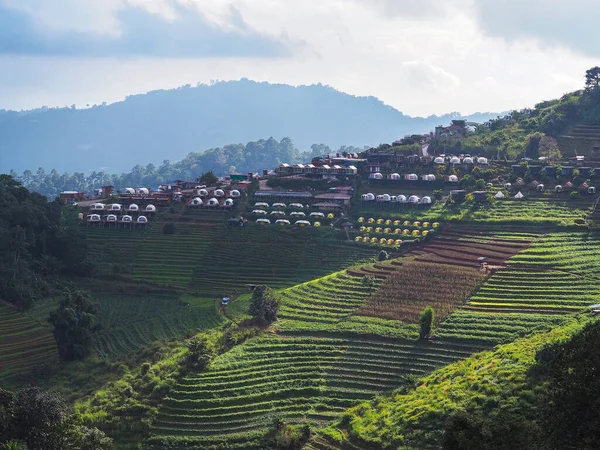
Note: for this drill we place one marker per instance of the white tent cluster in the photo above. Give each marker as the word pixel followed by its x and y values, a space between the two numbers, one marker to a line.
pixel 387 198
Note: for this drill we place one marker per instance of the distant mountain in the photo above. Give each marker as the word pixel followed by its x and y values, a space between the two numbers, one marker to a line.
pixel 168 124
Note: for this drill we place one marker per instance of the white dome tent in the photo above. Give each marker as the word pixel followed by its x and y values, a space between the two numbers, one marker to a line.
pixel 262 220
pixel 197 202
pixel 368 197
pixel 482 160
pixel 297 205
pixel 395 176
pixel 455 160
pixel 507 185
pixel 558 188
pixel 426 200
pixel 377 176
pixel 386 198
pixel 499 195
pixel 111 218
pixel 203 193
pixel 540 187
pixel 453 179
pixel 261 205
pixel 279 205
pixel 413 199
pixel 401 198
pixel 130 191
pixel 276 213
pixel 519 195
pixel 297 214
pixel 213 202
pixel 591 190
pixel 97 207
pixel 259 211
pixel 438 160
pixel 94 218
pixel 115 207
pixel 126 218
pixel 143 191
pixel 429 177
pixel 133 207
pixel 468 160
pixel 302 223
pixel 228 202
pixel 411 177
pixel 219 193
pixel 151 208
pixel 142 219
pixel 282 222
pixel 317 214
pixel 235 193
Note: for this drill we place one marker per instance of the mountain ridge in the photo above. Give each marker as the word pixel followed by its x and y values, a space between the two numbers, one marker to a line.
pixel 168 124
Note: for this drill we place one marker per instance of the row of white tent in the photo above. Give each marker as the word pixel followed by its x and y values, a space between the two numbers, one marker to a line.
pixel 412 177
pixel 279 205
pixel 292 214
pixel 114 218
pixel 369 197
pixel 197 201
pixel 286 222
pixel 458 160
pixel 218 193
pixel 558 188
pixel 139 191
pixel 116 207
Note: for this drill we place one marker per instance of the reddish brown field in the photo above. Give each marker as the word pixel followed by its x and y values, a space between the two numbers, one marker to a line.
pixel 407 291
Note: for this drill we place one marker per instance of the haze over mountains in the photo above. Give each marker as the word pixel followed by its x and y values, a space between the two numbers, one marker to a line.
pixel 168 124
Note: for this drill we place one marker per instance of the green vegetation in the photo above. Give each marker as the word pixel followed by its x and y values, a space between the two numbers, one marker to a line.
pixel 74 324
pixel 496 383
pixel 24 345
pixel 264 305
pixel 426 321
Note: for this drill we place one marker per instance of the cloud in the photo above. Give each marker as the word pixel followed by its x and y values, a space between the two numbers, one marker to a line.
pixel 572 23
pixel 410 9
pixel 183 33
pixel 425 76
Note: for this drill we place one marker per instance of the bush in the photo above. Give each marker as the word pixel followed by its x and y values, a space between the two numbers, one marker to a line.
pixel 264 305
pixel 574 194
pixel 169 228
pixel 426 321
pixel 383 255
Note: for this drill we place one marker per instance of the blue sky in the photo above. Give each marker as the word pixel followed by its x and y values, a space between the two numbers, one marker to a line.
pixel 420 56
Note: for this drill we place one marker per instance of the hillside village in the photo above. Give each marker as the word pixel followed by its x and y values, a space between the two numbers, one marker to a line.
pixel 438 291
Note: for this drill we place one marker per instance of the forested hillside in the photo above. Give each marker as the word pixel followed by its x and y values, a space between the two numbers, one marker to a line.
pixel 168 124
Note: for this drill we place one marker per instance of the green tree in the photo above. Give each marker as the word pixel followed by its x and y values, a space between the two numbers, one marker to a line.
pixel 74 325
pixel 570 412
pixel 199 354
pixel 264 305
pixel 426 321
pixel 592 78
pixel 208 178
pixel 383 255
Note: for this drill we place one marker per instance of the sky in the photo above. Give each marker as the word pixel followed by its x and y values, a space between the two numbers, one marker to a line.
pixel 422 57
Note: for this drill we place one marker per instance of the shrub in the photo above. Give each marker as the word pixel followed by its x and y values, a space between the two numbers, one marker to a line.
pixel 426 321
pixel 369 281
pixel 574 194
pixel 169 228
pixel 383 255
pixel 264 305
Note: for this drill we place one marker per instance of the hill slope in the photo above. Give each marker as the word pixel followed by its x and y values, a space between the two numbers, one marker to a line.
pixel 167 124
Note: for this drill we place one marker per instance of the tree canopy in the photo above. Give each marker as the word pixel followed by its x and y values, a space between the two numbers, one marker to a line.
pixel 74 324
pixel 35 245
pixel 264 305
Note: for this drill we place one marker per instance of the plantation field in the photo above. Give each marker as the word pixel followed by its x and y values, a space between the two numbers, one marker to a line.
pixel 131 321
pixel 464 246
pixel 546 211
pixel 298 377
pixel 415 285
pixel 113 250
pixel 24 344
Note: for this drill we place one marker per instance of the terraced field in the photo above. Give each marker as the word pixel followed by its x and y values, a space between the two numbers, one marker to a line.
pixel 131 321
pixel 113 249
pixel 299 377
pixel 24 343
